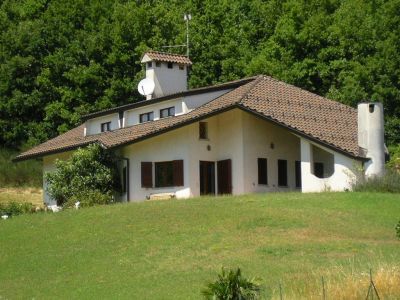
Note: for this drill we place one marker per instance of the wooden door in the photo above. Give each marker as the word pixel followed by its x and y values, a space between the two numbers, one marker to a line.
pixel 224 168
pixel 207 178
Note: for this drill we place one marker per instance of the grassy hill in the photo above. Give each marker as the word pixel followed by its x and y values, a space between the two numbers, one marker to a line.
pixel 170 249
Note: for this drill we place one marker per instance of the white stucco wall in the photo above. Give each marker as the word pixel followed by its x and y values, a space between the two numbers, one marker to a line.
pixel 166 147
pixel 194 101
pixel 167 81
pixel 258 136
pixel 182 106
pixel 235 135
pixel 225 134
pixel 345 170
pixel 131 117
pixel 225 140
pixel 93 126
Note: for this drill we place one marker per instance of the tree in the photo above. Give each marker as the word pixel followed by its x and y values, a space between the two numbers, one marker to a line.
pixel 62 59
pixel 88 176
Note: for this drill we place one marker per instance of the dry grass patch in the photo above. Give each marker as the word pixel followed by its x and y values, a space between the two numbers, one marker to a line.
pixel 22 195
pixel 343 284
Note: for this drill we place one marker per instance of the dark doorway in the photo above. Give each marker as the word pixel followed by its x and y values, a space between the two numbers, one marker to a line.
pixel 207 178
pixel 224 176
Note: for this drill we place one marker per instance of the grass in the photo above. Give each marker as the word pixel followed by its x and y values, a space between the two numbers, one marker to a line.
pixel 32 195
pixel 171 249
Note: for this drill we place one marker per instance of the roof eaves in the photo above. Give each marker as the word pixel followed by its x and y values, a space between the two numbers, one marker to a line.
pixel 23 157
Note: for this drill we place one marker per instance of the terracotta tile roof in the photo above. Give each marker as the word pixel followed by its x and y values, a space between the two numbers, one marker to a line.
pixel 325 120
pixel 168 57
pixel 319 119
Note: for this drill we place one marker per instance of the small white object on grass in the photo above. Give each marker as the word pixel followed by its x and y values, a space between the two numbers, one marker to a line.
pixel 4 217
pixel 55 208
pixel 77 205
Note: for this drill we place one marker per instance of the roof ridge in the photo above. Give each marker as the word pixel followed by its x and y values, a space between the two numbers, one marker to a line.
pixel 337 102
pixel 256 80
pixel 165 53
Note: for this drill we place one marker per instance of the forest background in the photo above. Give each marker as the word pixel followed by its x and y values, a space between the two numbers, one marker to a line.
pixel 62 59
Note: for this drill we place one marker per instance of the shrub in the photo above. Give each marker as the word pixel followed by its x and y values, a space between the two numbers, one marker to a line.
pixel 389 183
pixel 398 230
pixel 394 162
pixel 14 208
pixel 233 286
pixel 89 198
pixel 89 172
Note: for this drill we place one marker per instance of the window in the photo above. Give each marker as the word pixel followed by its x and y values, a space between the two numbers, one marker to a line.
pixel 167 112
pixel 168 173
pixel 282 172
pixel 147 174
pixel 262 171
pixel 203 130
pixel 105 126
pixel 297 171
pixel 319 169
pixel 170 65
pixel 150 64
pixel 181 67
pixel 158 64
pixel 146 117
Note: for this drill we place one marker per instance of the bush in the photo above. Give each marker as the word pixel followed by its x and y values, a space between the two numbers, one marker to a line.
pixel 398 230
pixel 89 198
pixel 389 183
pixel 394 162
pixel 89 172
pixel 233 286
pixel 14 208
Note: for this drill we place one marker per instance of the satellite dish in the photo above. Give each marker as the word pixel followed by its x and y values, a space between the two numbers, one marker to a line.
pixel 146 87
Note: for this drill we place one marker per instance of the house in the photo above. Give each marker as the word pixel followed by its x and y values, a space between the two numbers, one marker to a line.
pixel 254 135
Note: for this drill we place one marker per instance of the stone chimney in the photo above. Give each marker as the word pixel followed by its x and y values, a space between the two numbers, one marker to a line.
pixel 371 137
pixel 168 71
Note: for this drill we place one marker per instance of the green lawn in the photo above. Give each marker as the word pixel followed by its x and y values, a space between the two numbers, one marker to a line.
pixel 170 249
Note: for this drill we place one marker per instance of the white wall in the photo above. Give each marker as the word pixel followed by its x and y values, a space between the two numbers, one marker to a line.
pixel 131 117
pixel 167 81
pixel 182 106
pixel 194 101
pixel 93 126
pixel 345 170
pixel 225 134
pixel 166 147
pixel 258 136
pixel 225 140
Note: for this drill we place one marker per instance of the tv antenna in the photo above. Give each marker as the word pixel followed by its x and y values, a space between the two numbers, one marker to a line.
pixel 187 18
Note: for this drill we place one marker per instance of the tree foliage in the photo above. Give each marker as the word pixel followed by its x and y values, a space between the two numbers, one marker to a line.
pixel 62 59
pixel 89 176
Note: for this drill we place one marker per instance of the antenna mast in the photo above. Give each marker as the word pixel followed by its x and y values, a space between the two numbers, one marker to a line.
pixel 187 18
